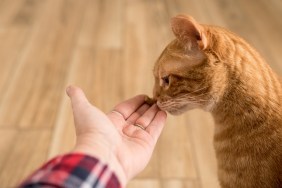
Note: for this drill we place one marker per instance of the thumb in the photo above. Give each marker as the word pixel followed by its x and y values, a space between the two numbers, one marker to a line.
pixel 77 97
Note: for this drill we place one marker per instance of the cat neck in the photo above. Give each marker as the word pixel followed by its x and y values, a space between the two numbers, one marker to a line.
pixel 242 110
pixel 253 91
pixel 248 101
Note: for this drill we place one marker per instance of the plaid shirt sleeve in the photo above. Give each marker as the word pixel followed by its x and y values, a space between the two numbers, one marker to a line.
pixel 72 171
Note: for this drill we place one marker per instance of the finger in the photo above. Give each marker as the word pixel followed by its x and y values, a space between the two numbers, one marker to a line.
pixel 148 116
pixel 117 119
pixel 129 106
pixel 139 112
pixel 77 96
pixel 131 130
pixel 156 126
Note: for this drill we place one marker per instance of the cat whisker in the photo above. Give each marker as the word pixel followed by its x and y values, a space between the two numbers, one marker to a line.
pixel 193 99
pixel 185 99
pixel 172 104
pixel 189 95
pixel 197 90
pixel 181 103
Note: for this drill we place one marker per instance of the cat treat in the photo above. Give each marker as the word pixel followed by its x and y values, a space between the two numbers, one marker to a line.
pixel 150 101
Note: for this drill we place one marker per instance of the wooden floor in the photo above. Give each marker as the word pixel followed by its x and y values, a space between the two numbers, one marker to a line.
pixel 108 47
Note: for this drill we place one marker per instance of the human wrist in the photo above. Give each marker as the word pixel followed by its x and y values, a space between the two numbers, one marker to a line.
pixel 106 156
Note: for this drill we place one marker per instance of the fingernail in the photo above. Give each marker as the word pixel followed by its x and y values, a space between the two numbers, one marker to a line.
pixel 68 89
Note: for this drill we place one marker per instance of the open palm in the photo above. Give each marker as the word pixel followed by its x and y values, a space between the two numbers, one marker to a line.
pixel 129 132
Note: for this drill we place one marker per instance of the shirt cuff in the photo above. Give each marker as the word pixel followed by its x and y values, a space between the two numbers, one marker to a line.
pixel 72 171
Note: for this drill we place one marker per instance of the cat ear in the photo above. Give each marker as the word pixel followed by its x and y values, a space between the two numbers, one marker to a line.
pixel 185 28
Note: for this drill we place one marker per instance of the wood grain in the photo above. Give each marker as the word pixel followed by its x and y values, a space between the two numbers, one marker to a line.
pixel 27 151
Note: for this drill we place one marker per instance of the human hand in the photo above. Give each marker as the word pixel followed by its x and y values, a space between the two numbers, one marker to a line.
pixel 124 138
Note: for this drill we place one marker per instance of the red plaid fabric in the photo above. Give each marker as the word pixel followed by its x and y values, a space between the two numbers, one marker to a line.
pixel 72 171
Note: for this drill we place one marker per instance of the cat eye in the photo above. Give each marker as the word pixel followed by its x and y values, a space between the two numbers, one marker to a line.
pixel 165 81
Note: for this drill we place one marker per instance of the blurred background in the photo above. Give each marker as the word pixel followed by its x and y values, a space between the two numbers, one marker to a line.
pixel 108 47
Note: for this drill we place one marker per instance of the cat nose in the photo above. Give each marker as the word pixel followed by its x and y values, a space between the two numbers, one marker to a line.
pixel 156 95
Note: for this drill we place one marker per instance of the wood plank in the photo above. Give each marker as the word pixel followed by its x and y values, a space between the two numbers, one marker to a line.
pixel 9 54
pixel 273 9
pixel 8 9
pixel 141 183
pixel 43 67
pixel 269 32
pixel 89 25
pixel 111 15
pixel 176 159
pixel 152 170
pixel 135 53
pixel 237 19
pixel 87 70
pixel 201 129
pixel 16 23
pixel 166 183
pixel 27 13
pixel 8 138
pixel 29 152
pixel 180 183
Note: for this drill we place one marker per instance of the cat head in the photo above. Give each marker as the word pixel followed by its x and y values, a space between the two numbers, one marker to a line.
pixel 185 72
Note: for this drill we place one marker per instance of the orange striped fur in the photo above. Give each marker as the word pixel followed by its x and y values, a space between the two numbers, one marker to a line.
pixel 211 68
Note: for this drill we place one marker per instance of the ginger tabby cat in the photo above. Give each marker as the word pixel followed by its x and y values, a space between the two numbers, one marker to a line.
pixel 211 68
